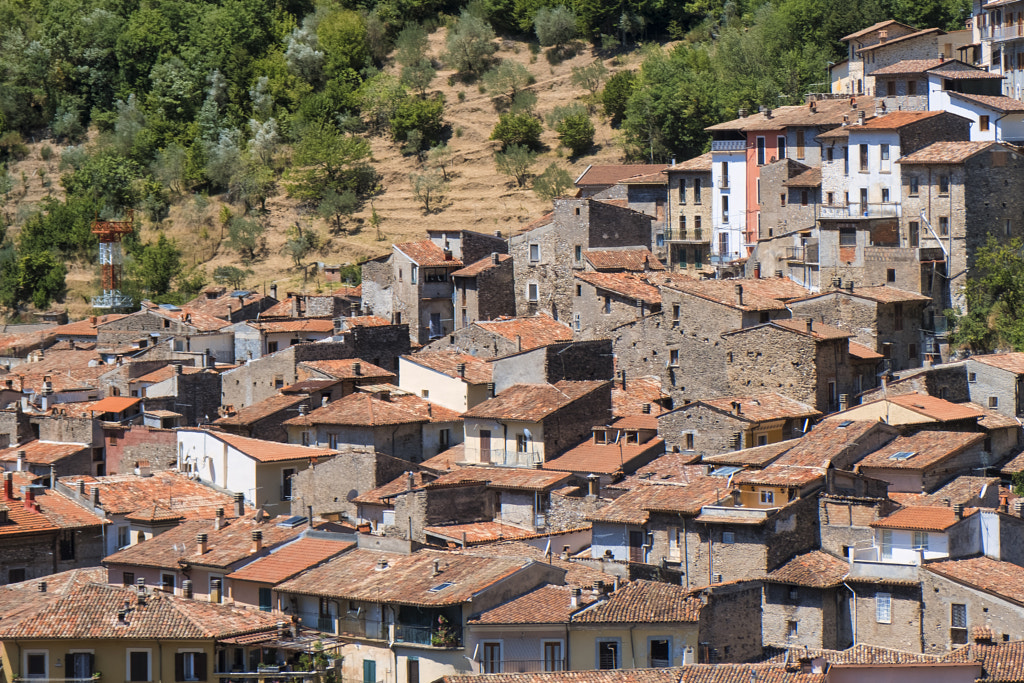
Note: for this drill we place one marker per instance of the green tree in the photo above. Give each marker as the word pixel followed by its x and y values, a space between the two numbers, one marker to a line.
pixel 422 115
pixel 41 276
pixel 336 206
pixel 507 78
pixel 245 235
pixel 341 35
pixel 516 161
pixel 419 75
pixel 328 159
pixel 379 97
pixel 616 94
pixel 554 182
pixel 555 26
pixel 470 44
pixel 252 183
pixel 159 264
pixel 232 275
pixel 517 129
pixel 589 78
pixel 411 44
pixel 576 132
pixel 440 157
pixel 428 188
pixel 299 243
pixel 994 299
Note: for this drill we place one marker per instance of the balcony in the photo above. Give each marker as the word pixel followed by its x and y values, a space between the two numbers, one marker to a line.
pixel 698 235
pixel 806 254
pixel 728 145
pixel 859 210
pixel 433 636
pixel 723 183
pixel 504 458
pixel 1000 33
pixel 522 666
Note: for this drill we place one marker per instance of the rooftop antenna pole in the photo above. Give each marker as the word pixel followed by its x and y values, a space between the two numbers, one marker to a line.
pixel 112 261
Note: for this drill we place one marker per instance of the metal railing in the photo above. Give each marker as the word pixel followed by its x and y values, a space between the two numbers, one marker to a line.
pixel 806 254
pixel 728 145
pixel 507 458
pixel 1004 32
pixel 522 666
pixel 859 210
pixel 688 235
pixel 428 635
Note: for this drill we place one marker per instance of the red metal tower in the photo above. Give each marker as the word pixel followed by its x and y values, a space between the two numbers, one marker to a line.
pixel 111 261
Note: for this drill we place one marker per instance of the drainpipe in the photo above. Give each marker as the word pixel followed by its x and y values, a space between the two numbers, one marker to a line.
pixel 632 646
pixel 853 595
pixel 686 552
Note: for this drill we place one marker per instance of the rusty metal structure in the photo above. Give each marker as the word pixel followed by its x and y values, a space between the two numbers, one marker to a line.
pixel 111 262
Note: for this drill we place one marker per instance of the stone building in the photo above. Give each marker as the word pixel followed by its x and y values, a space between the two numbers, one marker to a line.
pixel 232 305
pixel 688 229
pixel 790 194
pixel 925 460
pixel 255 339
pixel 191 331
pixel 606 179
pixel 624 260
pixel 605 301
pixel 806 604
pixel 501 337
pixel 545 257
pixel 578 361
pixel 484 290
pixel 468 246
pixel 454 380
pixel 996 381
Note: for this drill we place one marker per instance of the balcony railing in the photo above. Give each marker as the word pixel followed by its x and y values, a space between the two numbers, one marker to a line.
pixel 1006 32
pixel 522 666
pixel 428 635
pixel 35 679
pixel 728 145
pixel 689 235
pixel 860 210
pixel 723 183
pixel 507 458
pixel 806 254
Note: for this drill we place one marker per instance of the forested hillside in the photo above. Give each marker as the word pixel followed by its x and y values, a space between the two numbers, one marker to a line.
pixel 253 138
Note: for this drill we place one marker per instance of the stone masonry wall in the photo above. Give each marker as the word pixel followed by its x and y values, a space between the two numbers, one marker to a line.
pixel 573 424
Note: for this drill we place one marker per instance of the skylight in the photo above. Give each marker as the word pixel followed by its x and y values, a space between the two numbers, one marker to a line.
pixel 726 471
pixel 902 455
pixel 440 587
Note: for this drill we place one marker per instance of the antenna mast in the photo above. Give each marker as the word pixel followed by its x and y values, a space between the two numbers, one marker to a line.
pixel 111 261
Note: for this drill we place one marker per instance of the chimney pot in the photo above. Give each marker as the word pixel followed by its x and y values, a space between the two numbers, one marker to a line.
pixel 495 257
pixel 461 368
pixel 410 481
pixel 257 541
pixel 810 324
pixel 215 590
pixel 739 294
pixel 737 408
pixel 218 522
pixel 239 504
pixel 41 586
pixel 186 589
pixel 382 563
pixel 95 495
pixel 357 369
pixel 8 486
pixel 437 567
pixel 778 273
pixel 598 587
pixel 844 401
pixel 958 510
pixel 201 542
pixel 273 291
pixel 21 461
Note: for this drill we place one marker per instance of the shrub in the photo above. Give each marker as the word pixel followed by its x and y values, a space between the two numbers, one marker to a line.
pixel 517 129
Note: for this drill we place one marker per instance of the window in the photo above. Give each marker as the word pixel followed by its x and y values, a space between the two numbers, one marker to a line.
pixel 886 544
pixel 897 314
pixel 993 401
pixel 958 623
pixel 190 666
pixel 689 441
pixel 911 87
pixel 1008 227
pixel 943 184
pixel 914 188
pixel 576 324
pixel 682 226
pixel 286 483
pixel 885 195
pixel 804 197
pixel 138 665
pixel 675 315
pixel 369 671
pixel 123 536
pixel 412 670
pixel 884 150
pixel 607 654
pixel 972 377
pixel 792 628
pixel 535 252
pixel 696 190
pixel 863 158
pixel 890 275
pixel 846 160
pixel 271 347
pixel 81 664
pixel 659 239
pixel 767 497
pixel 578 253
pixel 723 244
pixel 725 174
pixel 266 599
pixel 673 357
pixel 728 537
pixel 847 237
pixel 782 199
pixel 883 608
pixel 424 393
pixel 830 154
pixel 414 274
pixel 760 151
pixel 532 293
pixel 491 663
pixel 920 540
pixel 725 209
pixel 983 122
pixel 520 443
pixel 659 652
pixel 36 664
pixel 553 656
pixel 682 190
pixel 607 304
pixel 579 290
pixel 167 583
pixel 912 355
pixel 943 225
pixel 864 200
pixel 781 146
pixel 444 438
pixel 830 198
pixel 128 578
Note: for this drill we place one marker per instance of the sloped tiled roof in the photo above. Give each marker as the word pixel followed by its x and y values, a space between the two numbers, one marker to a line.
pixel 1000 662
pixel 534 331
pixel 165 373
pixel 700 164
pixel 778 474
pixel 671 675
pixel 948 152
pixel 861 352
pixel 259 411
pixel 290 560
pixel 809 178
pixel 43 452
pixel 635 260
pixel 921 518
pixel 406 579
pixel 876 27
pixel 824 113
pixel 544 605
pixel 760 294
pixel 474 269
pixel 826 441
pixel 533 402
pixel 610 174
pixel 628 285
pixel 886 295
pixel 644 602
pixel 364 321
pixel 269 451
pixel 383 494
pixel 1000 103
pixel 426 253
pixel 174 494
pixel 935 408
pixel 634 506
pixel 819 330
pixel 1011 362
pixel 816 569
pixel 859 654
pixel 606 458
pixel 961 490
pixel 1003 579
pixel 756 456
pixel 366 410
pixel 297 325
pixel 763 407
pixel 346 369
pixel 51 512
pixel 477 371
pixel 512 478
pixel 477 533
pixel 898 39
pixel 578 574
pixel 639 391
pixel 896 120
pixel 929 448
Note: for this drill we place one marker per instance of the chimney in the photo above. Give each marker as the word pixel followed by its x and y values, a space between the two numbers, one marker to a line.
pixel 574 597
pixel 810 324
pixel 186 589
pixel 437 568
pixel 519 343
pixel 497 233
pixel 30 498
pixel 92 320
pixel 382 564
pixel 490 389
pixel 41 586
pixel 357 368
pixel 324 400
pixel 743 113
pixel 47 386
pixel 593 485
pixel 495 258
pixel 447 254
pixel 768 113
pixel 239 504
pixel 846 119
pixel 813 106
pixel 303 408
pixel 942 58
pixel 837 283
pixel 295 305
pixel 53 476
pixel 215 585
pixel 958 510
pixel 461 368
pixel 861 114
pixel 218 521
pixel 844 401
pixel 309 515
pixel 848 285
pixel 201 543
pixel 737 408
pixel 410 481
pixel 257 541
pixel 778 273
pixel 273 291
pixel 598 587
pixel 177 368
pixel 8 486
pixel 1003 504
pixel 95 496
pixel 739 294
pixel 623 373
pixel 21 461
pixel 883 35
pixel 757 270
pixel 140 584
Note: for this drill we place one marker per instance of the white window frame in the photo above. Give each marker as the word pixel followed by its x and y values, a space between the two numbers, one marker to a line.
pixel 46 663
pixel 190 651
pixel 534 248
pixel 532 292
pixel 223 586
pixel 883 608
pixel 920 540
pixel 767 497
pixel 128 663
pixel 561 652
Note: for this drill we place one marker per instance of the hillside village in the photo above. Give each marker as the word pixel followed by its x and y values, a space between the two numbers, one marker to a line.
pixel 702 421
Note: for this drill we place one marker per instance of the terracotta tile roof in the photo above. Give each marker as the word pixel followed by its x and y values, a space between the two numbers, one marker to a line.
pixel 227 546
pixel 43 452
pixel 345 369
pixel 349 292
pixel 309 386
pixel 534 402
pixel 90 612
pixel 635 260
pixel 607 458
pixel 639 392
pixel 1000 662
pixel 546 219
pixel 164 373
pixel 677 468
pixel 633 506
pixel 446 460
pixel 478 533
pixel 610 174
pixel 649 422
pixel 765 294
pixel 87 326
pixel 701 164
pixel 863 353
pixel 477 371
pixel 825 113
pixel 1003 579
pixel 1011 362
pixel 928 448
pixel 366 410
pixel 115 404
pixel 364 321
pixel 578 574
pixel 899 39
pixel 202 322
pixel 858 654
pixel 406 579
pixel 778 474
pixel 290 560
pixel 757 456
pixel 644 602
pixel 895 120
pixel 763 407
pixel 383 495
pixel 657 178
pixel 819 330
pixel 318 325
pixel 628 285
pixel 268 451
pixel 909 66
pixel 534 331
pixel 51 512
pixel 474 269
pixel 963 490
pixel 59 583
pixel 826 441
pixel 225 304
pixel 875 27
pixel 19 344
pixel 544 605
pixel 935 408
pixel 999 103
pixel 173 493
pixel 948 152
pixel 809 178
pixel 596 676
pixel 816 569
pixel 922 518
pixel 886 295
pixel 511 478
pixel 284 308
pixel 259 411
pixel 426 253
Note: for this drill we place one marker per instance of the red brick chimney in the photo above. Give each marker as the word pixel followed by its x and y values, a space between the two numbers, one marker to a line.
pixel 8 486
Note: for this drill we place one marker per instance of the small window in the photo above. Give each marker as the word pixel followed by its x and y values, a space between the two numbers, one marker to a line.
pixel 414 274
pixel 760 151
pixel 271 347
pixel 768 497
pixel 863 158
pixel 675 315
pixel 943 225
pixel 673 357
pixel 920 540
pixel 521 443
pixel 943 184
pixel 885 195
pixel 792 628
pixel 608 654
pixel 993 401
pixel 128 578
pixel 804 197
pixel 535 252
pixel 35 664
pixel 782 199
pixel 914 187
pixel 885 152
pixel 983 122
pixel 138 665
pixel 972 377
pixel 696 190
pixel 728 537
pixel 444 438
pixel 532 292
pixel 682 190
pixel 578 253
pixel 607 304
pixel 576 324
pixel 425 393
pixel 890 275
pixel 883 608
pixel 1008 227
pixel 689 441
pixel 958 623
pixel 579 290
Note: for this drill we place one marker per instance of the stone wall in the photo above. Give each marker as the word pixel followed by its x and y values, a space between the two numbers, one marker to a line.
pixel 423 508
pixel 489 295
pixel 377 282
pixel 569 426
pixel 40 554
pixel 904 626
pixel 574 361
pixel 713 431
pixel 730 623
pixel 821 616
pixel 1003 617
pixel 158 447
pixel 331 485
pixel 844 521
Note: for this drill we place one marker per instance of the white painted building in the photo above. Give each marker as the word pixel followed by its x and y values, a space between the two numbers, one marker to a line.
pixel 729 200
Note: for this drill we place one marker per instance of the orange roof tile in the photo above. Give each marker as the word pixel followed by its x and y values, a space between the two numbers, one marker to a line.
pixel 174 494
pixel 758 294
pixel 544 605
pixel 43 452
pixel 816 569
pixel 345 369
pixel 1011 362
pixel 607 458
pixel 1003 579
pixel 165 373
pixel 895 120
pixel 364 321
pixel 863 353
pixel 511 478
pixel 936 408
pixel 639 392
pixel 477 533
pixel 635 260
pixel 633 506
pixel 629 285
pixel 761 408
pixel 928 448
pixel 899 39
pixel 922 518
pixel 777 474
pixel 476 371
pixel 644 602
pixel 290 560
pixel 826 441
pixel 115 404
pixel 265 408
pixel 318 325
pixel 999 103
pixel 610 174
pixel 267 451
pixel 757 456
pixel 364 409
pixel 427 253
pixel 700 164
pixel 819 331
pixel 534 331
pixel 474 269
pixel 948 152
pixel 809 178
pixel 533 402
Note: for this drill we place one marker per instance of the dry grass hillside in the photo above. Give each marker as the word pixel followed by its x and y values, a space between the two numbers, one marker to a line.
pixel 478 198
